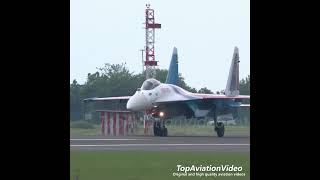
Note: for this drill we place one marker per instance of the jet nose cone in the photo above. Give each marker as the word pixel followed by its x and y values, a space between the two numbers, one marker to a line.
pixel 137 102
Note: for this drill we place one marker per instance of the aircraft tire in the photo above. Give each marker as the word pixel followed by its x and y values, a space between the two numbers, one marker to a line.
pixel 156 129
pixel 161 132
pixel 158 132
pixel 220 129
pixel 165 132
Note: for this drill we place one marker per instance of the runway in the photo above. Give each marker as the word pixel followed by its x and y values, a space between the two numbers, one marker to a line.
pixel 151 143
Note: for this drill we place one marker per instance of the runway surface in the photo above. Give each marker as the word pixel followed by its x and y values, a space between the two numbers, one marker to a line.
pixel 151 143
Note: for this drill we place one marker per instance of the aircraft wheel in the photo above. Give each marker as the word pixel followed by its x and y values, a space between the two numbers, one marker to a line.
pixel 165 132
pixel 220 129
pixel 156 129
pixel 161 132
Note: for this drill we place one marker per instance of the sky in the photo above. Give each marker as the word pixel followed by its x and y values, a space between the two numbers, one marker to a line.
pixel 205 33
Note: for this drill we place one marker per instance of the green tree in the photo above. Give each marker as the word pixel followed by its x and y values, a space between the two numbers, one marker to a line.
pixel 110 80
pixel 245 86
pixel 184 85
pixel 161 75
pixel 75 106
pixel 245 90
pixel 205 90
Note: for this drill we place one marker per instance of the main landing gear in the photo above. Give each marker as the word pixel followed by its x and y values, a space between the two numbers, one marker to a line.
pixel 218 126
pixel 159 128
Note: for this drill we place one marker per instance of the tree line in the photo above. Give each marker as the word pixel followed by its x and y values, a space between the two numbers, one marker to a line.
pixel 117 80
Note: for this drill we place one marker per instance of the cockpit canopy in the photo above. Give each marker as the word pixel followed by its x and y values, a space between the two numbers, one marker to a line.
pixel 150 84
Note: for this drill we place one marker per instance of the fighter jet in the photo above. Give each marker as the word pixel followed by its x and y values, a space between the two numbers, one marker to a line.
pixel 167 100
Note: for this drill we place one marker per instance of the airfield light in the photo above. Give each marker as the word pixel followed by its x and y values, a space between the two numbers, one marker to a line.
pixel 161 114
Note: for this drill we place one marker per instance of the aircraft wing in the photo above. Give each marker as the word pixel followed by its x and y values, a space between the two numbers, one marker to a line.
pixel 196 96
pixel 221 97
pixel 106 98
pixel 217 96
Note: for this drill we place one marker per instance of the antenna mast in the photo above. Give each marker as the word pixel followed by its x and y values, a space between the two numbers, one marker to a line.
pixel 150 27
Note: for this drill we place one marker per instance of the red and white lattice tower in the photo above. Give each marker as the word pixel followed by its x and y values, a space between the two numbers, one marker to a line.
pixel 150 26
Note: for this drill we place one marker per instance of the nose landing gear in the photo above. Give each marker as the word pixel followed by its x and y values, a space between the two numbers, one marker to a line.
pixel 159 128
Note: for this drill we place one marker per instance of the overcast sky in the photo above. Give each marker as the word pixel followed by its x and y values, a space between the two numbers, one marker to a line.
pixel 204 31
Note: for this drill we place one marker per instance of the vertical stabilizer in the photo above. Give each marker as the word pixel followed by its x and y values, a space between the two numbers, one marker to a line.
pixel 232 88
pixel 173 76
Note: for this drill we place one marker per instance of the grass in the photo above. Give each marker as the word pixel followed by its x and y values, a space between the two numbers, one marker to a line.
pixel 206 130
pixel 86 132
pixel 173 130
pixel 149 165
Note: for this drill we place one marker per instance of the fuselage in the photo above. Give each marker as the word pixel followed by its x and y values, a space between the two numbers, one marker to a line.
pixel 174 101
pixel 145 99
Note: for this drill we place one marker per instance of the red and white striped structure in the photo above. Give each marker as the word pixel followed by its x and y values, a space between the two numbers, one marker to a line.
pixel 117 123
pixel 148 127
pixel 150 27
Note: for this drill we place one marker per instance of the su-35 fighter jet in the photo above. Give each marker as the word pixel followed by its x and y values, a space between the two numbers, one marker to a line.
pixel 167 100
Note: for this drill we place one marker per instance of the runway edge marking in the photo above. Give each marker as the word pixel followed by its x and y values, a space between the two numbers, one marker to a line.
pixel 107 139
pixel 124 145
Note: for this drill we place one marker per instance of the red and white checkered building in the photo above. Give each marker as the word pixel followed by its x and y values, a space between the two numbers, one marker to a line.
pixel 117 123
